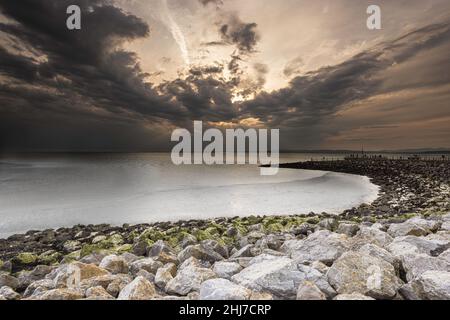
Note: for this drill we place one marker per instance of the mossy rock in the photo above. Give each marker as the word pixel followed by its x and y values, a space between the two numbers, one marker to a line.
pixel 240 227
pixel 49 257
pixel 312 220
pixel 124 248
pixel 115 240
pixel 26 258
pixel 1 263
pixel 152 234
pixel 274 228
pixel 73 256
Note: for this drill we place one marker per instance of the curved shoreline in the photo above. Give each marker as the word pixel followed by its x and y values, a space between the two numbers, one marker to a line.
pixel 394 233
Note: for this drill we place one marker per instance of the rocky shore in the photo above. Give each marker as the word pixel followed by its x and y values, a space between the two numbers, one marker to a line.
pixel 396 248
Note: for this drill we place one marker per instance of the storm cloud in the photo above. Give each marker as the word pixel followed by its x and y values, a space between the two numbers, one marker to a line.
pixel 84 90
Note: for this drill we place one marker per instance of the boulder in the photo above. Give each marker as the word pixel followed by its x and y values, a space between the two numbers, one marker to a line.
pixel 307 290
pixel 318 278
pixel 446 226
pixel 371 235
pixel 148 264
pixel 323 246
pixel 165 274
pixel 433 285
pixel 27 277
pixel 245 251
pixel 93 258
pixel 72 274
pixel 39 287
pixel 61 294
pixel 432 247
pixel 349 229
pixel 199 252
pixel 114 264
pixel 9 281
pixel 225 269
pixel 139 289
pixel 278 276
pixel 99 293
pixel 445 255
pixel 158 247
pixel 223 289
pixel 217 247
pixel 414 265
pixel 364 274
pixel 188 279
pixel 376 251
pixel 8 293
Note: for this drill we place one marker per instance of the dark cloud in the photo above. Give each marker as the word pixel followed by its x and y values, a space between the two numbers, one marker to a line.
pixel 73 90
pixel 313 99
pixel 241 34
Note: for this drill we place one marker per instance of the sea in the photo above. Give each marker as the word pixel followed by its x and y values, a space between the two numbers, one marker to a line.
pixel 42 191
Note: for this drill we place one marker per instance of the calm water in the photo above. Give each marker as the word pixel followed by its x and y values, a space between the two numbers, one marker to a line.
pixel 39 192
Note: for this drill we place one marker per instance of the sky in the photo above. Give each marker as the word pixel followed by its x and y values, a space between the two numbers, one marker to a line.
pixel 138 69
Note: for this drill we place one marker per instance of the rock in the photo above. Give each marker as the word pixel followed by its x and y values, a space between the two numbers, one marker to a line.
pixel 138 289
pixel 39 287
pixel 129 257
pixel 165 274
pixel 217 247
pixel 71 275
pixel 194 263
pixel 188 279
pixel 323 246
pixel 9 281
pixel 188 240
pixel 147 264
pixel 432 247
pixel 140 248
pixel 446 226
pixel 98 239
pixel 165 258
pixel 6 266
pixel 319 279
pixel 61 294
pixel 364 274
pixel 99 293
pixel 23 260
pixel 147 275
pixel 199 252
pixel 72 245
pixel 433 285
pixel 371 235
pixel 8 293
pixel 245 251
pixel 309 291
pixel 278 276
pixel 445 255
pixel 114 264
pixel 330 224
pixel 407 292
pixel 321 267
pixel 223 289
pixel 352 296
pixel 93 258
pixel 158 247
pixel 415 265
pixel 27 277
pixel 225 269
pixel 349 229
pixel 376 251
